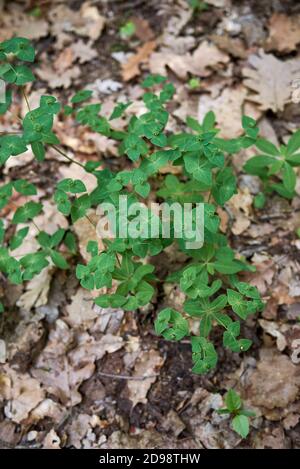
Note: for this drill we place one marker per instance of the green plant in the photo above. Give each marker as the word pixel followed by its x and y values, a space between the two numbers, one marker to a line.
pixel 275 166
pixel 240 416
pixel 215 296
pixel 198 5
pixel 127 30
pixel 194 83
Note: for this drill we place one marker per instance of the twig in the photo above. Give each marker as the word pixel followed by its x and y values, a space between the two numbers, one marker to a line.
pixel 67 156
pixel 130 378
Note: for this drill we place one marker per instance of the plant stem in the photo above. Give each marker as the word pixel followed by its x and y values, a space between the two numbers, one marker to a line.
pixel 67 156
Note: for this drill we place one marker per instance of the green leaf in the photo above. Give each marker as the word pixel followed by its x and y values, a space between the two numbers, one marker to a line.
pixel 293 143
pixel 20 47
pixel 289 177
pixel 230 338
pixel 70 242
pixel 171 325
pixel 233 400
pixel 24 187
pixel 152 80
pixel 38 150
pixel 17 239
pixel 49 104
pixel 119 110
pixel 204 355
pixel 209 121
pixel 81 96
pixel 8 100
pixel 59 260
pixel 240 424
pixel 224 186
pixel 198 167
pixel 23 75
pixel 27 212
pixel 62 201
pixel 267 147
pixel 259 200
pixel 75 186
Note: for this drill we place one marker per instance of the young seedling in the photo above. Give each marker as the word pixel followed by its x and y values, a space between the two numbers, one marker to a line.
pixel 239 416
pixel 275 166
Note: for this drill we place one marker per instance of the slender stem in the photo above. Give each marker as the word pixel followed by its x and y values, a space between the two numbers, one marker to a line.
pixel 67 156
pixel 34 224
pixel 26 99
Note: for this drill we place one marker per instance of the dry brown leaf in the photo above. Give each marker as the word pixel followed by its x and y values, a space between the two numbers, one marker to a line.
pixel 240 206
pixel 22 392
pixel 130 69
pixel 86 22
pixel 270 78
pixel 51 440
pixel 37 290
pixel 274 383
pixel 81 311
pixel 142 29
pixel 58 80
pixel 228 108
pixel 272 328
pixel 147 365
pixel 14 21
pixel 200 63
pixel 284 32
pixel 265 271
pixel 85 231
pixel 83 52
pixel 67 360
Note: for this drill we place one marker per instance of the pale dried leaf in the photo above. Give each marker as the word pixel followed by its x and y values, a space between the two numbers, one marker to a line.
pixel 271 79
pixel 147 365
pixel 284 32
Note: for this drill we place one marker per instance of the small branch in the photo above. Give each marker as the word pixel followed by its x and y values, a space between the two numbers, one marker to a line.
pixel 129 378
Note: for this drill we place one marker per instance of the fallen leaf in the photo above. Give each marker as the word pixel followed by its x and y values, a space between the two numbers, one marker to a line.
pixel 37 290
pixel 51 440
pixel 81 311
pixel 284 32
pixel 58 80
pixel 86 22
pixel 270 78
pixel 201 62
pixel 22 393
pixel 142 29
pixel 228 108
pixel 83 52
pixel 130 69
pixel 147 365
pixel 274 383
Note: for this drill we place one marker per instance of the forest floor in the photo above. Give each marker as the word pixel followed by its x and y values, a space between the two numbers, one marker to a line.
pixel 72 373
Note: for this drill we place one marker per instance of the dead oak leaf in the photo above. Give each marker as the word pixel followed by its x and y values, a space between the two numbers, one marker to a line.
pixel 228 108
pixel 270 78
pixel 147 365
pixel 200 62
pixel 284 32
pixel 85 22
pixel 130 69
pixel 22 392
pixel 57 79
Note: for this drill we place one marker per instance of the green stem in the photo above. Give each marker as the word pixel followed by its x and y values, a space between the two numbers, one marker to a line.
pixel 67 156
